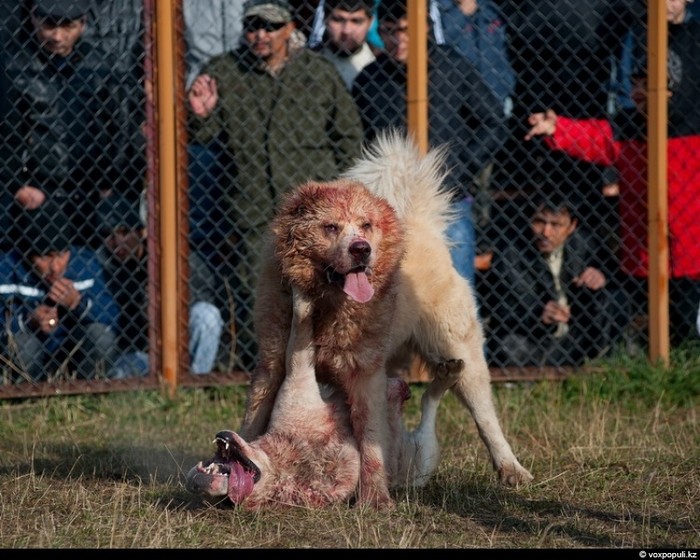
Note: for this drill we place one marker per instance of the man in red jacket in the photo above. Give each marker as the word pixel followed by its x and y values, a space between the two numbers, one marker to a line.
pixel 622 143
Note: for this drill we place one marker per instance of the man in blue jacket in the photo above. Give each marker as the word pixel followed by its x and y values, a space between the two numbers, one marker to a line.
pixel 58 314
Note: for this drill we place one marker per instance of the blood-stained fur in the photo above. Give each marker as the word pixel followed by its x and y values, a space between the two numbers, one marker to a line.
pixel 308 456
pixel 370 251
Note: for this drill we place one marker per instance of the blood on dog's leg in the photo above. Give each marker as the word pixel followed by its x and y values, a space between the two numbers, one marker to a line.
pixel 260 401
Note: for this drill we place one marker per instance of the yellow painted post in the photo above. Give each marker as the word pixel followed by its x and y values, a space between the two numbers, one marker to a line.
pixel 417 93
pixel 657 178
pixel 167 175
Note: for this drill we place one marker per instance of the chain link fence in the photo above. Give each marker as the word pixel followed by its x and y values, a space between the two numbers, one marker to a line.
pixel 80 131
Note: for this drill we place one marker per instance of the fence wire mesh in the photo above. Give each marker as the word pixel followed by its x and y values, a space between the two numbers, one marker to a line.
pixel 79 256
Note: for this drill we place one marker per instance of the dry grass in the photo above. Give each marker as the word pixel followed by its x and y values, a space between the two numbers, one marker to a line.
pixel 616 461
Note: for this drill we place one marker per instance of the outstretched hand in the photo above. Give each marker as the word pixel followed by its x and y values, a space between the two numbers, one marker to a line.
pixel 542 124
pixel 203 95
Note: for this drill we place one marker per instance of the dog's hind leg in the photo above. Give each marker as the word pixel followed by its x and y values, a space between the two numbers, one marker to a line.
pixel 419 455
pixel 473 389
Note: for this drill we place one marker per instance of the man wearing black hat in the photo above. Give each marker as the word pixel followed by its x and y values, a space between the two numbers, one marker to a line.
pixel 257 99
pixel 58 309
pixel 64 135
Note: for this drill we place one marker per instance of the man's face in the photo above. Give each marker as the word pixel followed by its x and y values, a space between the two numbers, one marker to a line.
pixel 347 31
pixel 52 266
pixel 125 244
pixel 675 10
pixel 551 229
pixel 265 39
pixel 394 34
pixel 58 38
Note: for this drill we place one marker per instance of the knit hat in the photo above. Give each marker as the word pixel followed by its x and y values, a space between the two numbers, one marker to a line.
pixel 117 211
pixel 43 231
pixel 274 11
pixel 61 10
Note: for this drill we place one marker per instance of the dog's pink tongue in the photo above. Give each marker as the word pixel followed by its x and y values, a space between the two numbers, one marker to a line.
pixel 357 286
pixel 240 483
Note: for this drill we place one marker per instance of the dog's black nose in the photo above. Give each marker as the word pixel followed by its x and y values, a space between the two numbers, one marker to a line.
pixel 360 250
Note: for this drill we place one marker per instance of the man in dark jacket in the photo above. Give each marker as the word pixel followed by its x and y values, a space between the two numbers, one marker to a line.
pixel 63 135
pixel 464 113
pixel 555 310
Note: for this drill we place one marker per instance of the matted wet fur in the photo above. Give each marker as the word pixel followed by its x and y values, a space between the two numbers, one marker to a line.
pixel 308 455
pixel 369 250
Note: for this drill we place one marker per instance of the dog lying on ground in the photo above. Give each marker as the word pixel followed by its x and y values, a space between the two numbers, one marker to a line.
pixel 308 456
pixel 369 251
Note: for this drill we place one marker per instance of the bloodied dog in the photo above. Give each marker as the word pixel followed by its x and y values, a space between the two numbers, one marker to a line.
pixel 309 456
pixel 369 250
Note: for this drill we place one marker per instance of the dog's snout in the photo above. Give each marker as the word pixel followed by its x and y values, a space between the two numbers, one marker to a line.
pixel 360 250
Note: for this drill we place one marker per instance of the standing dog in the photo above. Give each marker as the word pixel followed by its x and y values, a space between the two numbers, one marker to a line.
pixel 369 251
pixel 308 456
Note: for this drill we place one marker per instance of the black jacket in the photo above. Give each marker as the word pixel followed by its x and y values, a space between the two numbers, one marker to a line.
pixel 64 128
pixel 522 284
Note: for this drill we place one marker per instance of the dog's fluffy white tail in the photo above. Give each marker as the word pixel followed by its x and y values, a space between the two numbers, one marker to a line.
pixel 393 167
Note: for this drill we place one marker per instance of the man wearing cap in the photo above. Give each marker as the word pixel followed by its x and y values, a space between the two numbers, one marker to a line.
pixel 285 116
pixel 59 316
pixel 65 133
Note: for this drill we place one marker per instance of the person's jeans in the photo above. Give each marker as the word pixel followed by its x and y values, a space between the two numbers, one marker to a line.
pixel 205 330
pixel 462 240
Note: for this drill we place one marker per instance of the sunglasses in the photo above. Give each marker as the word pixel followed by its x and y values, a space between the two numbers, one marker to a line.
pixel 255 24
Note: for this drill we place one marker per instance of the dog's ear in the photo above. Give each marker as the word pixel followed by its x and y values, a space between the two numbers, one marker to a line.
pixel 296 203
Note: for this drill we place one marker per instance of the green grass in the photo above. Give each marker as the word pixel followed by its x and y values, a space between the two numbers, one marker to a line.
pixel 615 454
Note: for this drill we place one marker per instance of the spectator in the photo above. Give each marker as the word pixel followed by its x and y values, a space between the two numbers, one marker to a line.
pixel 477 29
pixel 276 134
pixel 65 133
pixel 347 23
pixel 628 51
pixel 59 316
pixel 555 309
pixel 318 28
pixel 622 142
pixel 464 114
pixel 125 260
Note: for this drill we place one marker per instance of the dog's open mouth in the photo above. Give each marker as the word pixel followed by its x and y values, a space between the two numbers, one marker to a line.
pixel 228 473
pixel 355 283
